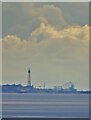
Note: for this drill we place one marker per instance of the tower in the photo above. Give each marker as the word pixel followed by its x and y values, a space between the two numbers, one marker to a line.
pixel 29 77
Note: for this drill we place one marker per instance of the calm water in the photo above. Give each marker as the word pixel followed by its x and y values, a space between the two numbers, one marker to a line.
pixel 45 105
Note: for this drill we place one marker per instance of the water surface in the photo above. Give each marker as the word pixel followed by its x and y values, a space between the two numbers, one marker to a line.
pixel 45 105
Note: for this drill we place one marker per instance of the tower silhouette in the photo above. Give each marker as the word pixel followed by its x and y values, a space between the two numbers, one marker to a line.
pixel 29 77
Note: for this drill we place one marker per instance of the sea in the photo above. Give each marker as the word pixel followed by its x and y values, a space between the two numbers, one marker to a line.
pixel 45 105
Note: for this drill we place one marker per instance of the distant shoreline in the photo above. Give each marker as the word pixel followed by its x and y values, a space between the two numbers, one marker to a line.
pixel 30 89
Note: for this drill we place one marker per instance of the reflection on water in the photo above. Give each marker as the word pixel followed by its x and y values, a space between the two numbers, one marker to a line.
pixel 45 105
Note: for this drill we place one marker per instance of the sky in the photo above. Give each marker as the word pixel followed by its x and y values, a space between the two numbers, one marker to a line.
pixel 52 39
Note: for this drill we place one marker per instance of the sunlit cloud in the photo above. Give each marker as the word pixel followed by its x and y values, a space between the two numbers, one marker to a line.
pixel 51 44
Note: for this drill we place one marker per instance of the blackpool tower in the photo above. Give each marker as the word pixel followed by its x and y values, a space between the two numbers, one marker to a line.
pixel 29 77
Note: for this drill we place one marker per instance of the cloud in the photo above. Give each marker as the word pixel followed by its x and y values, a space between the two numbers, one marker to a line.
pixel 69 44
pixel 74 33
pixel 46 13
pixel 29 16
pixel 22 18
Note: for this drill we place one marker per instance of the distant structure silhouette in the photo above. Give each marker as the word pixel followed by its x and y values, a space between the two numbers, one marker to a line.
pixel 68 87
pixel 29 77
